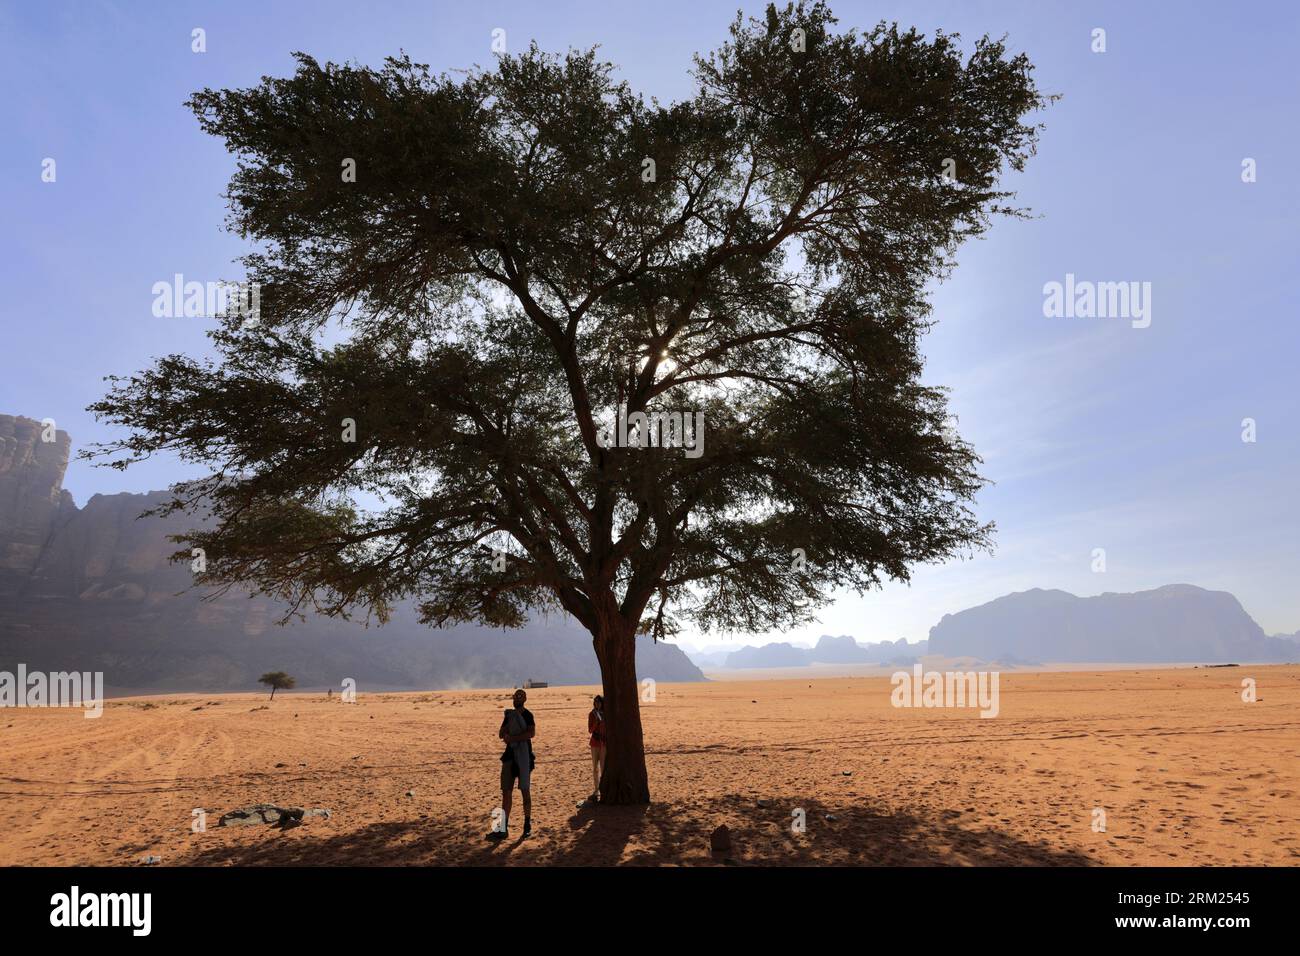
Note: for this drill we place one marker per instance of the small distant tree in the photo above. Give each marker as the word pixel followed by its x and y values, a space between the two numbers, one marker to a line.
pixel 277 680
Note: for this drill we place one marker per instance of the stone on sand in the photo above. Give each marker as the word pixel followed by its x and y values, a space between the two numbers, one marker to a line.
pixel 270 814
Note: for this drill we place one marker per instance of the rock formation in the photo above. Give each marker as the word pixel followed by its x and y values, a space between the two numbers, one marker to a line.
pixel 33 504
pixel 1175 623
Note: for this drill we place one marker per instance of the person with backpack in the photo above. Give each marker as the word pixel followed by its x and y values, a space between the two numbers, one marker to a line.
pixel 517 730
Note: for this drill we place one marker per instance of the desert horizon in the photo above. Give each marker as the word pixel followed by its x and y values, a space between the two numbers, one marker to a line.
pixel 814 671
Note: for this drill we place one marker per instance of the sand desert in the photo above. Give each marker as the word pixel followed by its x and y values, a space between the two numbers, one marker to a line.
pixel 1184 770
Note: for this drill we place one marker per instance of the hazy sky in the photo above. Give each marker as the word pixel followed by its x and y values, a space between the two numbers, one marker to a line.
pixel 1097 434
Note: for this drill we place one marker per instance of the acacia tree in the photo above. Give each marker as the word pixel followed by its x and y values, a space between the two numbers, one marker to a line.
pixel 277 680
pixel 463 281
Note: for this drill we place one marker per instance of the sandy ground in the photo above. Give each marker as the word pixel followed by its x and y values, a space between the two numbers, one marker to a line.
pixel 1184 770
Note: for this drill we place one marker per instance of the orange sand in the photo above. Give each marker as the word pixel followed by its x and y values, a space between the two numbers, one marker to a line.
pixel 1186 772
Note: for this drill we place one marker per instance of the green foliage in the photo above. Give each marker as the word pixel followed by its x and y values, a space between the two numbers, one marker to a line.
pixel 500 277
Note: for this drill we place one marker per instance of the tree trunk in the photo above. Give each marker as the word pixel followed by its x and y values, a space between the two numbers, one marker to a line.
pixel 273 693
pixel 624 780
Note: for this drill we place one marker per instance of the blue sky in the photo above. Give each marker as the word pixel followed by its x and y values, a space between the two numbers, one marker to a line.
pixel 1097 434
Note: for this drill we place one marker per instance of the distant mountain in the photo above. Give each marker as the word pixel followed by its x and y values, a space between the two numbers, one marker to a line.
pixel 91 589
pixel 838 650
pixel 708 659
pixel 768 655
pixel 1172 624
pixel 828 650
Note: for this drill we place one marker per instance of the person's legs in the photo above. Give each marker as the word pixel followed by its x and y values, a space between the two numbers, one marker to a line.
pixel 595 770
pixel 525 790
pixel 507 782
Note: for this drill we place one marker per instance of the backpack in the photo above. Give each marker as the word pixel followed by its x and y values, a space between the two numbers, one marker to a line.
pixel 508 756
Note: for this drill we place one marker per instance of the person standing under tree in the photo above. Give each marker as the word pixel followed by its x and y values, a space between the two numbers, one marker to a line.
pixel 517 730
pixel 596 727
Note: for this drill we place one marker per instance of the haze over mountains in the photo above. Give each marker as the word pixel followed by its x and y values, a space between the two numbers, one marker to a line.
pixel 92 589
pixel 1178 623
pixel 828 650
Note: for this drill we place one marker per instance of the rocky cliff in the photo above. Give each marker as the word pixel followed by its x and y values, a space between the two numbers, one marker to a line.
pixel 93 589
pixel 33 504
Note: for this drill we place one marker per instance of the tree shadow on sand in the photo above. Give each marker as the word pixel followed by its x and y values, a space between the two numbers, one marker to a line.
pixel 664 834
